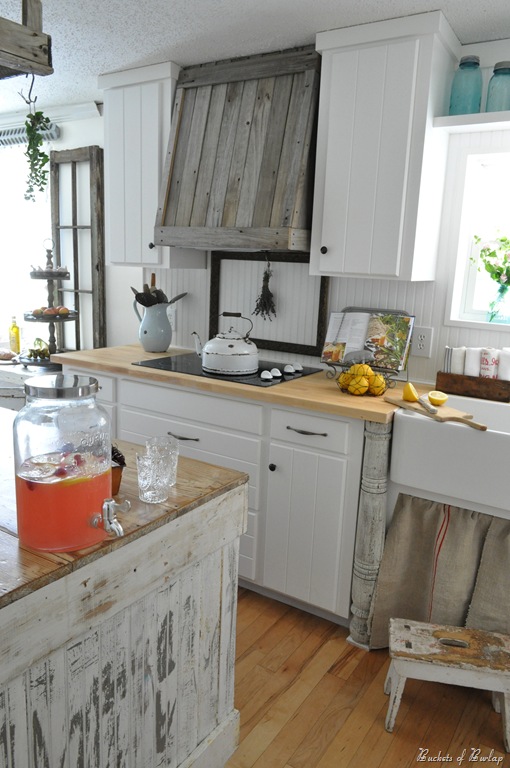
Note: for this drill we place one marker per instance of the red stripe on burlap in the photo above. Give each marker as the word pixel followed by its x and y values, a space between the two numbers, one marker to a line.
pixel 438 544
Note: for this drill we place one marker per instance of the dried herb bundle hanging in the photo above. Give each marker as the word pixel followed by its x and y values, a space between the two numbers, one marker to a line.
pixel 265 306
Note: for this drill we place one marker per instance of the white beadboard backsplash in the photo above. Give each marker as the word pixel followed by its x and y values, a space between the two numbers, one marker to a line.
pixel 296 316
pixel 296 297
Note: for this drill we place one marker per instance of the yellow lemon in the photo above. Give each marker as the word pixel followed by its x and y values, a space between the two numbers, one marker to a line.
pixel 344 380
pixel 358 385
pixel 376 384
pixel 409 393
pixel 360 369
pixel 437 398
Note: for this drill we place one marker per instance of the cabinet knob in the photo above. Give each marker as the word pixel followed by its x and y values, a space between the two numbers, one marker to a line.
pixel 324 249
pixel 272 467
pixel 151 245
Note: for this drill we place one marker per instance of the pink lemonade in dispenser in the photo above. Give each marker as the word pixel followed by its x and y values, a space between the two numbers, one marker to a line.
pixel 62 464
pixel 57 496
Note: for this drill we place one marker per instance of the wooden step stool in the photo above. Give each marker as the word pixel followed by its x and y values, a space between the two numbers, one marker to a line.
pixel 456 655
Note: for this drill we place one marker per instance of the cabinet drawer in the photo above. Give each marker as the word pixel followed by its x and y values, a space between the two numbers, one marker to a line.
pixel 200 443
pixel 205 409
pixel 106 392
pixel 307 430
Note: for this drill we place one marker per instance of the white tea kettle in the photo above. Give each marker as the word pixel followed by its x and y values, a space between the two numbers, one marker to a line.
pixel 229 353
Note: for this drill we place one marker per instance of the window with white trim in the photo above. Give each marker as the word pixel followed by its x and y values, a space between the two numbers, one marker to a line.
pixel 483 170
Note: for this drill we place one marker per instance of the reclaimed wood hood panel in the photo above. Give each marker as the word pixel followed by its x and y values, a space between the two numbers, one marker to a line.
pixel 239 169
pixel 24 48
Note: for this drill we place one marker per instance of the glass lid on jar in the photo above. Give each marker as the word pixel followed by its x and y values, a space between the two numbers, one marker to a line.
pixel 61 386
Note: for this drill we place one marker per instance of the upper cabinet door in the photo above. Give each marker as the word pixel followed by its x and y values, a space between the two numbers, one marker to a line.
pixel 137 111
pixel 368 157
pixel 373 186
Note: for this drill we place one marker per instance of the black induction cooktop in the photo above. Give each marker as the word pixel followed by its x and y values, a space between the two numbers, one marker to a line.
pixel 192 365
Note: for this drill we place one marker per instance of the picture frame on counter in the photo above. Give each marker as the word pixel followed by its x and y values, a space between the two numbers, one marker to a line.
pixel 300 300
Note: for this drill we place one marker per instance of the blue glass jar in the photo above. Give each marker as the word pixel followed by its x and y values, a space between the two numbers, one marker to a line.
pixel 498 93
pixel 466 94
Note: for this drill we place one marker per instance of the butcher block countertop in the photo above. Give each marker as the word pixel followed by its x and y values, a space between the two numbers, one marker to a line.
pixel 316 392
pixel 23 571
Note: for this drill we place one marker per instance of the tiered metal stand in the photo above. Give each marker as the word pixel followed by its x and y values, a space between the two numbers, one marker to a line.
pixel 50 316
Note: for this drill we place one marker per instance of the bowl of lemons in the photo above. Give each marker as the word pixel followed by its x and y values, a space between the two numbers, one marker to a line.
pixel 360 379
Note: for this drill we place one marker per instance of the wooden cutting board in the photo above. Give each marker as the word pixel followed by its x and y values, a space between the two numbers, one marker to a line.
pixel 444 412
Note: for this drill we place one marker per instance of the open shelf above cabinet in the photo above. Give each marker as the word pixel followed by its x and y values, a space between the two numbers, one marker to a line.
pixel 482 121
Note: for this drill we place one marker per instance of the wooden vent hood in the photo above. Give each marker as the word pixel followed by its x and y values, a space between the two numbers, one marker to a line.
pixel 24 48
pixel 239 169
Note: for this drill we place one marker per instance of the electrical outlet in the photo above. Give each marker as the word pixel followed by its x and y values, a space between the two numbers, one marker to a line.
pixel 421 345
pixel 172 316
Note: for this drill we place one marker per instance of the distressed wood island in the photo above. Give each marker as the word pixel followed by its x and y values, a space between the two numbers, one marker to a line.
pixel 123 654
pixel 317 460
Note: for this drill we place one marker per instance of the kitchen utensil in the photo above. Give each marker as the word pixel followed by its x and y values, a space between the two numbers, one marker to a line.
pixel 445 413
pixel 160 295
pixel 427 404
pixel 179 296
pixel 144 298
pixel 229 352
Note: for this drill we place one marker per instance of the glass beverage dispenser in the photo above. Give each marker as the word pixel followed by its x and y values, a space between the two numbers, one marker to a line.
pixel 62 455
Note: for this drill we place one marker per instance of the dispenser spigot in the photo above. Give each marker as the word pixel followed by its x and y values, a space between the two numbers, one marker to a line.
pixel 109 516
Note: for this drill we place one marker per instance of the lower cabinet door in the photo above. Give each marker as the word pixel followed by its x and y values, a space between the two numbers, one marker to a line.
pixel 309 538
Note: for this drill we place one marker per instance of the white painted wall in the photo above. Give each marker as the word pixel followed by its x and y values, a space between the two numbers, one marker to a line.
pixel 79 133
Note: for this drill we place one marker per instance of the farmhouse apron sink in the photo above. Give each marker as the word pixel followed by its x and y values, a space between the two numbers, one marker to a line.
pixel 452 463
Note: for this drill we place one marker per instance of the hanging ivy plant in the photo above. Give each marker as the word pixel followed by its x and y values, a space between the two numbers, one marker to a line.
pixel 37 179
pixel 35 125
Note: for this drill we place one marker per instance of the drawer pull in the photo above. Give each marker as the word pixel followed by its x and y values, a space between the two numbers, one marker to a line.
pixel 181 437
pixel 272 467
pixel 305 432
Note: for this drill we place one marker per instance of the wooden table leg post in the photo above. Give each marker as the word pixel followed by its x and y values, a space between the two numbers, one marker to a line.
pixel 371 528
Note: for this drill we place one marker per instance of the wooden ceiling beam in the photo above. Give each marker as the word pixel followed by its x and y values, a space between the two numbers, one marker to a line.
pixel 24 48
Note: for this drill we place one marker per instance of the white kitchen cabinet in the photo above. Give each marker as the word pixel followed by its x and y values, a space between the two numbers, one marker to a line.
pixel 310 523
pixel 380 166
pixel 304 483
pixel 137 110
pixel 213 429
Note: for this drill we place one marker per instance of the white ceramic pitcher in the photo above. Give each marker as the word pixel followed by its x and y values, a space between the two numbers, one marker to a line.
pixel 155 331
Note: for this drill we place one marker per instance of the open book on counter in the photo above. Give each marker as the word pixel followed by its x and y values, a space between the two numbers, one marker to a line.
pixel 380 337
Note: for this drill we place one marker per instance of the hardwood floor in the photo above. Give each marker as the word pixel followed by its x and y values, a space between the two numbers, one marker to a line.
pixel 309 699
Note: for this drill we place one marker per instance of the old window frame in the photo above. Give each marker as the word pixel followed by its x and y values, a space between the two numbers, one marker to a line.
pixel 93 156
